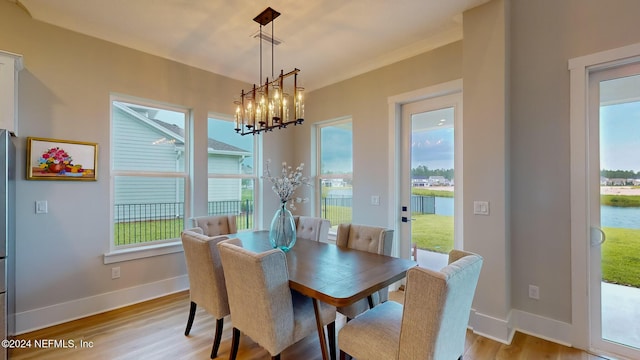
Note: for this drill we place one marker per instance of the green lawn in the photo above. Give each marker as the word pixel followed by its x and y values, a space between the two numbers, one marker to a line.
pixel 620 200
pixel 621 256
pixel 620 252
pixel 433 232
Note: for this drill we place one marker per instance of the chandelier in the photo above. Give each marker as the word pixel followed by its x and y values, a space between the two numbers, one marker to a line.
pixel 272 104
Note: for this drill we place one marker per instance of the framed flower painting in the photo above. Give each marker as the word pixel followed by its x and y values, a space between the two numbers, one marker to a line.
pixel 50 159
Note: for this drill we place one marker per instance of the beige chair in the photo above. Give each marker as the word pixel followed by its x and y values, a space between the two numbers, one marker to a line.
pixel 263 306
pixel 433 322
pixel 312 228
pixel 365 238
pixel 216 224
pixel 206 280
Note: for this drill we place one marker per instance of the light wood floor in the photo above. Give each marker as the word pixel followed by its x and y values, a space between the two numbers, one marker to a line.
pixel 155 330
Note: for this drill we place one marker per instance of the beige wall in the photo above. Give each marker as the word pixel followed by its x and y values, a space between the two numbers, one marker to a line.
pixel 485 159
pixel 516 139
pixel 64 94
pixel 545 35
pixel 365 99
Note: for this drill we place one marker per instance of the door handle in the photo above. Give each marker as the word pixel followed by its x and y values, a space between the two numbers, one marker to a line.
pixel 597 233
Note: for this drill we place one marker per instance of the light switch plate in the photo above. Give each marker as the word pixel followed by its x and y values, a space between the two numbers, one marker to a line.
pixel 41 207
pixel 375 200
pixel 481 207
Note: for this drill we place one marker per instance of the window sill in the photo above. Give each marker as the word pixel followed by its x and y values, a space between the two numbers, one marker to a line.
pixel 142 252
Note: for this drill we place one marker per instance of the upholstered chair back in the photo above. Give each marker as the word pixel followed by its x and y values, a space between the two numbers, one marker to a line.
pixel 432 323
pixel 372 239
pixel 216 224
pixel 206 279
pixel 365 238
pixel 312 228
pixel 437 307
pixel 261 302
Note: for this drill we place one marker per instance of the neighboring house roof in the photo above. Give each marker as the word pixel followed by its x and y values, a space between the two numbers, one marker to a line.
pixel 177 133
pixel 215 145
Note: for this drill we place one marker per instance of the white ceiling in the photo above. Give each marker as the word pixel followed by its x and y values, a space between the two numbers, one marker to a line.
pixel 329 40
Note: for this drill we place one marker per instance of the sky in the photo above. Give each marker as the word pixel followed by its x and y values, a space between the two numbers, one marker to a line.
pixel 620 137
pixel 433 149
pixel 337 149
pixel 222 130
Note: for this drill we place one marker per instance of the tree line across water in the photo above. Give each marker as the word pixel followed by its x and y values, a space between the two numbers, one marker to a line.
pixel 620 174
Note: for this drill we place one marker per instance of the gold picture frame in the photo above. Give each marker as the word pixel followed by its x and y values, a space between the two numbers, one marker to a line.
pixel 52 159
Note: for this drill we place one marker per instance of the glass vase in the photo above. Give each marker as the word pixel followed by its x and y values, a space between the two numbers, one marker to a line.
pixel 282 233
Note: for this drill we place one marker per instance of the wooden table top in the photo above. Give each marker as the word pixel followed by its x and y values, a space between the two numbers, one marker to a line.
pixel 332 274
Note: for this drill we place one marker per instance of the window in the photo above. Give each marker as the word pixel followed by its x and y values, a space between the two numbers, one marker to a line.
pixel 232 172
pixel 335 169
pixel 149 172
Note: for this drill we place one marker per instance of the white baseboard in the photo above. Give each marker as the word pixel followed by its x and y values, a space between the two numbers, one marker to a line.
pixel 542 327
pixel 490 327
pixel 503 330
pixel 35 319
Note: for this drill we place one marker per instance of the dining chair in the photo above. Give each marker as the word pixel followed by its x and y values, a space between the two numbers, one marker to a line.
pixel 433 322
pixel 263 306
pixel 312 228
pixel 365 238
pixel 206 280
pixel 213 225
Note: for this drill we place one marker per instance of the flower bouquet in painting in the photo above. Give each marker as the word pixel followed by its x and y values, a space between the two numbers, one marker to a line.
pixel 57 160
pixel 282 233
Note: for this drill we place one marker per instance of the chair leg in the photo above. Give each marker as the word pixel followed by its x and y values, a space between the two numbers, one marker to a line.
pixel 331 332
pixel 217 337
pixel 370 301
pixel 235 343
pixel 192 314
pixel 343 355
pixel 277 357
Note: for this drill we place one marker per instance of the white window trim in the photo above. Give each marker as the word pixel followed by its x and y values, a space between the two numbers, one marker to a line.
pixel 142 251
pixel 160 247
pixel 579 71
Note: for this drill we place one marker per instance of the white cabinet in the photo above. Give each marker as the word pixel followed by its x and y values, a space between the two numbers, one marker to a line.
pixel 10 65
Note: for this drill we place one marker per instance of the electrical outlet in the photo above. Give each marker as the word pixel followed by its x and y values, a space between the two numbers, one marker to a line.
pixel 115 272
pixel 534 292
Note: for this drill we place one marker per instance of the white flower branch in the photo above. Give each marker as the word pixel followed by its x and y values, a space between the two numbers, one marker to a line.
pixel 285 185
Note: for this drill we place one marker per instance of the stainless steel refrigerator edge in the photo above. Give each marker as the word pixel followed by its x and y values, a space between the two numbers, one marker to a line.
pixel 7 236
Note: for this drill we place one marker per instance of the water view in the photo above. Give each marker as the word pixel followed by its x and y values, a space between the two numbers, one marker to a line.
pixel 620 217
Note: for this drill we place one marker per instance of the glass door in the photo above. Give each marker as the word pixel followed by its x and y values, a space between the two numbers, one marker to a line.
pixel 431 173
pixel 614 203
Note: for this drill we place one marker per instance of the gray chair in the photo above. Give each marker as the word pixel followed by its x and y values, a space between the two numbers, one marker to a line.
pixel 431 325
pixel 263 306
pixel 206 280
pixel 365 238
pixel 312 228
pixel 214 225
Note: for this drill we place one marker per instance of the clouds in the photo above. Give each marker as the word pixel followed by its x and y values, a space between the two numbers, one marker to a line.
pixel 433 149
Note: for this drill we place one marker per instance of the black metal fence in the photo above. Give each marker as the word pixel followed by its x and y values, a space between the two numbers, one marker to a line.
pixel 140 223
pixel 336 209
pixel 423 204
pixel 243 209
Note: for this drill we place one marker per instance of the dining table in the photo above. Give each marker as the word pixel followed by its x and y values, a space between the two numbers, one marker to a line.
pixel 335 275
